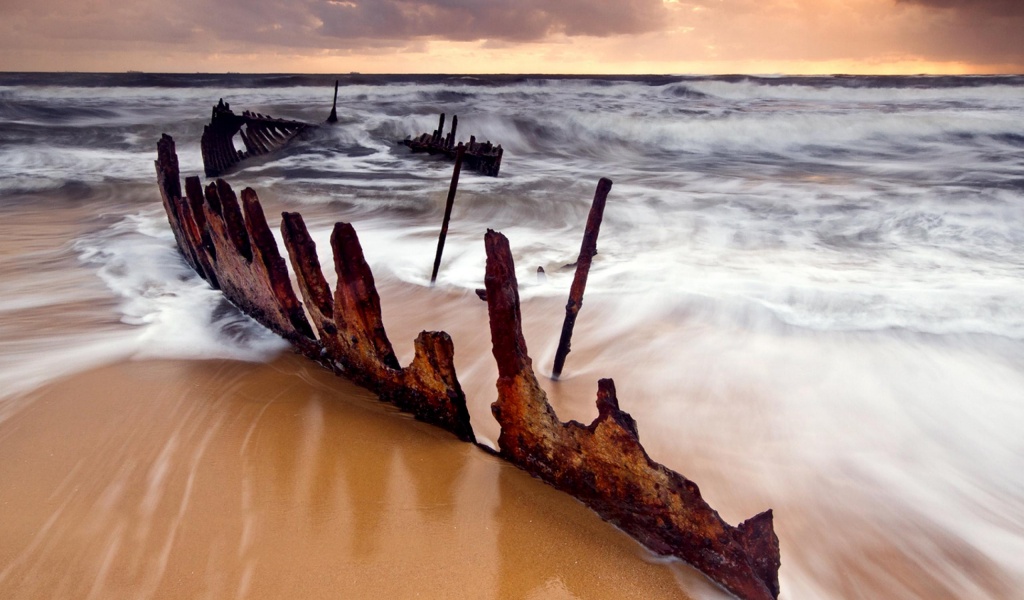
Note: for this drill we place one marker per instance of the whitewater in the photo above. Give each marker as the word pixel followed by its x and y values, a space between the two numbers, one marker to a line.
pixel 808 289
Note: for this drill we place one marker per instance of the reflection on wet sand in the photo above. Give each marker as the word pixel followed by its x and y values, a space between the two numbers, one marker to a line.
pixel 566 563
pixel 166 479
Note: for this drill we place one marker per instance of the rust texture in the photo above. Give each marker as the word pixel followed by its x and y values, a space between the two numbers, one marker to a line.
pixel 483 157
pixel 579 283
pixel 605 466
pixel 459 155
pixel 232 247
pixel 602 464
pixel 354 340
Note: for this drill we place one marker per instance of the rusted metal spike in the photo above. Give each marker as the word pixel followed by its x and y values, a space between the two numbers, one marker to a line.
pixel 579 283
pixel 168 179
pixel 357 301
pixel 605 466
pixel 197 204
pixel 306 264
pixel 354 341
pixel 232 214
pixel 440 129
pixel 447 211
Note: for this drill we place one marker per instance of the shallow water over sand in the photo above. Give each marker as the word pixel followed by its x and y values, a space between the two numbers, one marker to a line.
pixel 807 293
pixel 219 479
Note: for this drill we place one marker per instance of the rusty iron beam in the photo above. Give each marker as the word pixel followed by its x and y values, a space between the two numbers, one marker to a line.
pixel 355 343
pixel 588 249
pixel 605 466
pixel 449 202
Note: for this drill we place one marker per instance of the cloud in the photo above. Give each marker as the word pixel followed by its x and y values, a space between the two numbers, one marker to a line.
pixel 1005 8
pixel 468 20
pixel 325 24
pixel 672 35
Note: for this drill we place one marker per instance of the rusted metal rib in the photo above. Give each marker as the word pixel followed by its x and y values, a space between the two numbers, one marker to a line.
pixel 605 466
pixel 232 247
pixel 354 340
pixel 602 464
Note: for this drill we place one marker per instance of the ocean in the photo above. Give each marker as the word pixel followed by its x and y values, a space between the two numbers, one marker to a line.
pixel 808 292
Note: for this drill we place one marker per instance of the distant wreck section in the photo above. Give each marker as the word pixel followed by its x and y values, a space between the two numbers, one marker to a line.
pixel 483 157
pixel 259 134
pixel 602 464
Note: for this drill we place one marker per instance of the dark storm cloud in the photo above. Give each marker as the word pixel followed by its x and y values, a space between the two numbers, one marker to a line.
pixel 466 20
pixel 981 7
pixel 980 31
pixel 336 23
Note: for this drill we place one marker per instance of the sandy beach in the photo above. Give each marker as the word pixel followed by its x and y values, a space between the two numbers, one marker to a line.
pixel 220 479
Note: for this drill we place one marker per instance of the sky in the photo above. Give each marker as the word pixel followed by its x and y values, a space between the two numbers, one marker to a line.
pixel 515 36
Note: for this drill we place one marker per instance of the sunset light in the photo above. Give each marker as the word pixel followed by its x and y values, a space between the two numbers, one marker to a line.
pixel 532 36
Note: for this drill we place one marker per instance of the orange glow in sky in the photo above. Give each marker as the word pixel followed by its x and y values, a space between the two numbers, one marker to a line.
pixel 526 36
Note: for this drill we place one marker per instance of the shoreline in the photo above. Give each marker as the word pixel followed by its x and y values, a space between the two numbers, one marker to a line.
pixel 165 478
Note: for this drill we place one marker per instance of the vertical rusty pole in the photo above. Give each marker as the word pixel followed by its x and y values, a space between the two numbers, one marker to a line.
pixel 579 282
pixel 439 134
pixel 333 118
pixel 459 152
pixel 455 126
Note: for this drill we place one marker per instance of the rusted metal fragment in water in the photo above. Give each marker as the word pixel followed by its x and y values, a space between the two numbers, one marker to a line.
pixel 232 247
pixel 483 157
pixel 259 134
pixel 605 466
pixel 354 340
pixel 579 283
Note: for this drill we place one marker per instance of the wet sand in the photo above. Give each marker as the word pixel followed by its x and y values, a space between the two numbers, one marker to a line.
pixel 224 479
pixel 196 478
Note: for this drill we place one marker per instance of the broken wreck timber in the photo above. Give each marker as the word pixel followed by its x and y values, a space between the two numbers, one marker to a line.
pixel 235 251
pixel 355 342
pixel 485 157
pixel 605 466
pixel 260 134
pixel 460 153
pixel 588 249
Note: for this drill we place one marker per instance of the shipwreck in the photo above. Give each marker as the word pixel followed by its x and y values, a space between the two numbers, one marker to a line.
pixel 484 157
pixel 259 134
pixel 228 242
